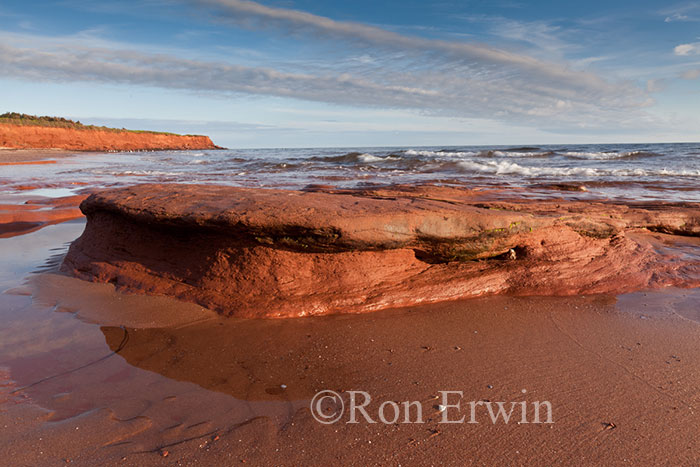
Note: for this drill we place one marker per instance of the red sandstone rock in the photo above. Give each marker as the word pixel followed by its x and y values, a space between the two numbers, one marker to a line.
pixel 19 219
pixel 278 253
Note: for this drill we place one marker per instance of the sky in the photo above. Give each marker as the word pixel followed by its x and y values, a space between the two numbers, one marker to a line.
pixel 326 73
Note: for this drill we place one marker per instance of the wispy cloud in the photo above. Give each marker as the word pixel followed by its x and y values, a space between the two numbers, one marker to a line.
pixel 460 92
pixel 378 69
pixel 656 85
pixel 684 12
pixel 687 49
pixel 132 67
pixel 543 36
pixel 676 17
pixel 255 15
pixel 691 74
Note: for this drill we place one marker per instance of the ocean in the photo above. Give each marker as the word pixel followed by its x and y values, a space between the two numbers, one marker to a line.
pixel 622 171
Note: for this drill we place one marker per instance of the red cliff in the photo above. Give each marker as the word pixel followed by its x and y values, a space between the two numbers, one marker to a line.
pixel 95 139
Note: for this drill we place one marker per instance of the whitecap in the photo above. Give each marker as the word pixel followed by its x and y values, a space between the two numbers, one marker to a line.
pixel 511 168
pixel 369 158
pixel 413 152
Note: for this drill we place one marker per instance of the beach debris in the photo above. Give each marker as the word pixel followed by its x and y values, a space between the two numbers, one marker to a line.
pixel 511 254
pixel 164 453
pixel 441 408
pixel 434 433
pixel 609 426
pixel 489 386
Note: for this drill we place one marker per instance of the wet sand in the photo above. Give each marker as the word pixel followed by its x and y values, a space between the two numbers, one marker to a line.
pixel 31 156
pixel 24 213
pixel 87 376
pixel 25 208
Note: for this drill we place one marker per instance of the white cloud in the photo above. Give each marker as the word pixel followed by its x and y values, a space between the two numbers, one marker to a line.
pixel 677 17
pixel 687 49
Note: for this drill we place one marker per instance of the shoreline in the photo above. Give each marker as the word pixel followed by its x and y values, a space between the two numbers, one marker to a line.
pixel 12 156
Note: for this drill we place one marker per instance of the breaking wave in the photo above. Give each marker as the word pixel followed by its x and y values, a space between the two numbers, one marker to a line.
pixel 511 168
pixel 355 157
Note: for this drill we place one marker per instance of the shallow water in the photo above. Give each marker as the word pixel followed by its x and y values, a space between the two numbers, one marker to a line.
pixel 629 171
pixel 59 357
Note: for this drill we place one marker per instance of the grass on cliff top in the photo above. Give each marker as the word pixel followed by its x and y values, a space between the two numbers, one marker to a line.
pixel 14 118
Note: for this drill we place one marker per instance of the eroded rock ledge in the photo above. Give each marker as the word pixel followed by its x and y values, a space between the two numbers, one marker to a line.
pixel 278 253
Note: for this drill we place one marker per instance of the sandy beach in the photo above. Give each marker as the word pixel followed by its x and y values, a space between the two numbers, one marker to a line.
pixel 10 156
pixel 85 382
pixel 91 375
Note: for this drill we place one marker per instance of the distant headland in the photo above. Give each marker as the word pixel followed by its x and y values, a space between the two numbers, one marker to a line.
pixel 21 131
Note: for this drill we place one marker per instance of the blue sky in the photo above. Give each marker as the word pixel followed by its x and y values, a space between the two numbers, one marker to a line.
pixel 304 73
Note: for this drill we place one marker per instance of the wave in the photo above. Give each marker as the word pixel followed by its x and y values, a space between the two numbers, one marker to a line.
pixel 515 152
pixel 355 157
pixel 511 168
pixel 509 153
pixel 441 153
pixel 523 149
pixel 609 155
pixel 531 151
pixel 140 173
pixel 683 173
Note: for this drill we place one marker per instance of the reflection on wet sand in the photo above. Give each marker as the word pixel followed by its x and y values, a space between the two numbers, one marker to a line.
pixel 101 377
